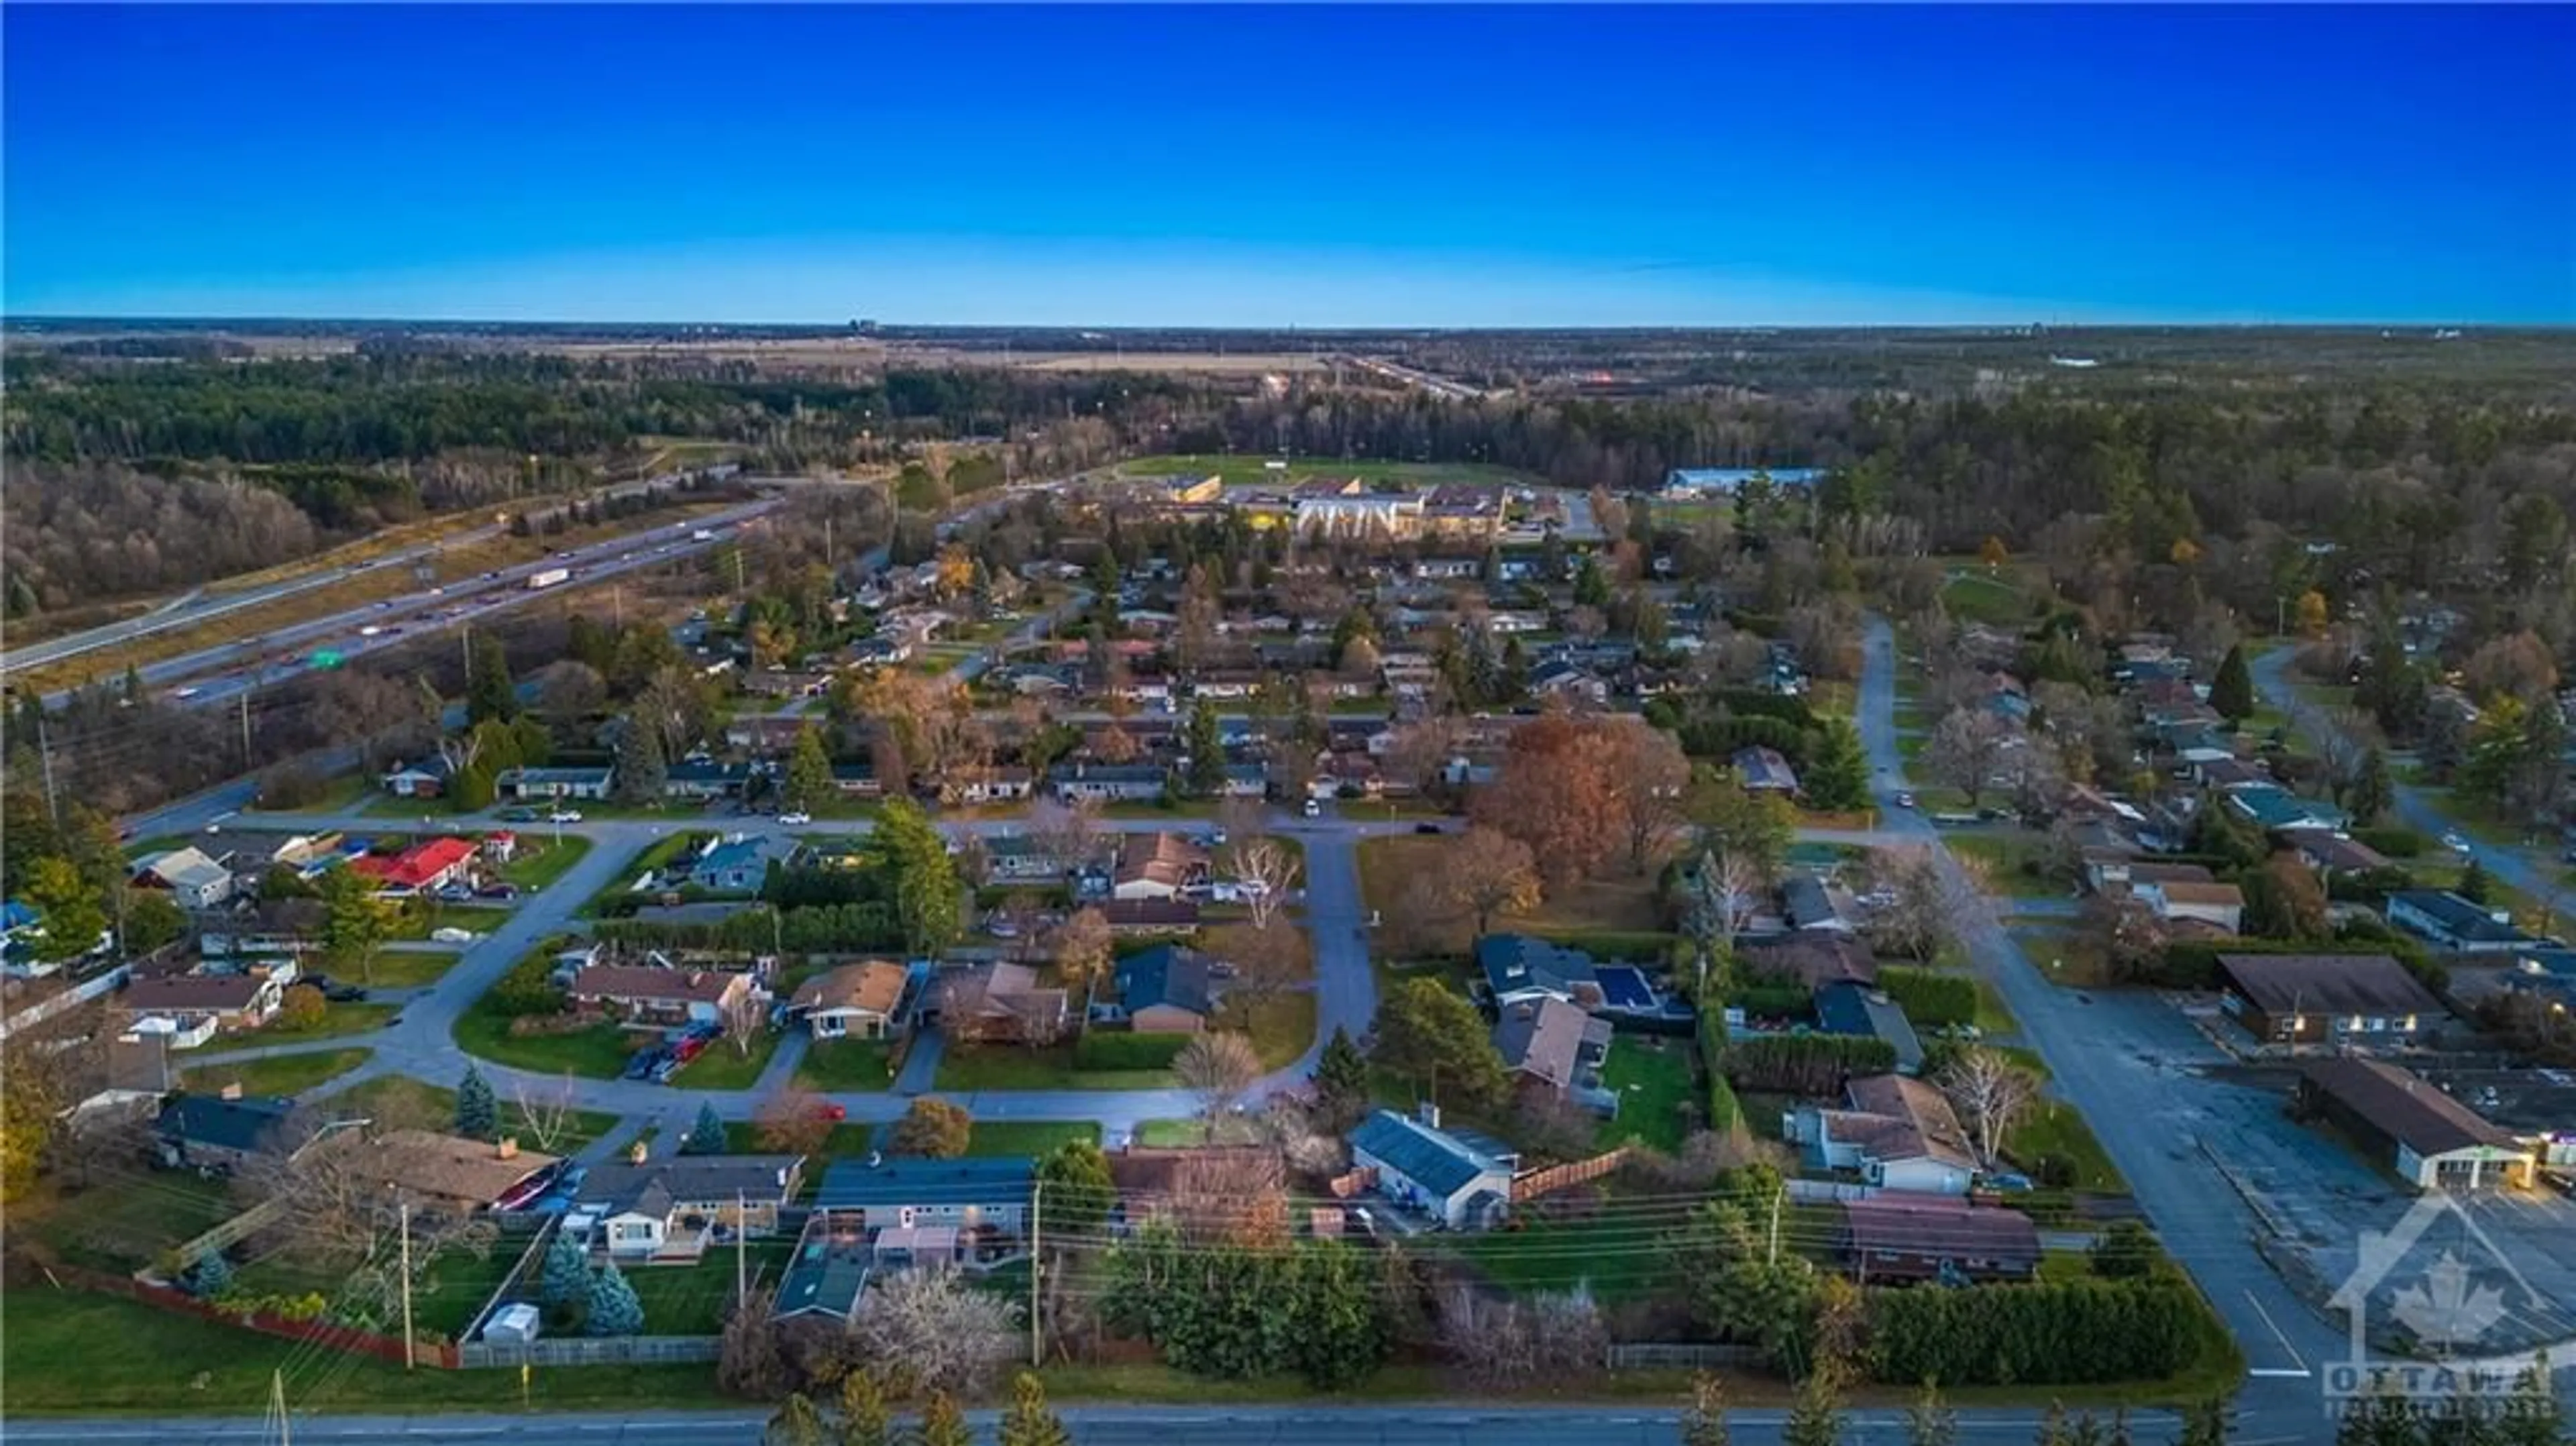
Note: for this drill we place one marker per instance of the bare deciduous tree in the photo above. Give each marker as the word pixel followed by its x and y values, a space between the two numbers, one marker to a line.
pixel 545 1113
pixel 931 1331
pixel 1067 832
pixel 1990 1092
pixel 1503 1342
pixel 793 1122
pixel 1219 1068
pixel 1487 873
pixel 1264 870
pixel 1966 749
pixel 1081 946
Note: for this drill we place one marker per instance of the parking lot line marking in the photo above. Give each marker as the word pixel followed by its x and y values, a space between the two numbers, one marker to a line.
pixel 2286 1348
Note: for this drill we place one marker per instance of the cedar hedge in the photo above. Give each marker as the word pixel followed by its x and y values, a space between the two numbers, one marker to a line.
pixel 1804 1064
pixel 1930 997
pixel 2043 1333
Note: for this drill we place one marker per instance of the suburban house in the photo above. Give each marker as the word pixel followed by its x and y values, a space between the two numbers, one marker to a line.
pixel 672 1209
pixel 525 784
pixel 422 868
pixel 738 865
pixel 854 1001
pixel 856 780
pixel 2222 906
pixel 425 779
pixel 1006 784
pixel 1765 771
pixel 190 1009
pixel 1814 959
pixel 1890 1238
pixel 445 1174
pixel 1520 968
pixel 1551 1043
pixel 2346 999
pixel 1016 857
pixel 222 1132
pixel 1166 989
pixel 1812 905
pixel 1151 916
pixel 1863 1011
pixel 1463 1182
pixel 1106 782
pixel 194 880
pixel 1896 1133
pixel 1562 678
pixel 2432 1140
pixel 702 778
pixel 913 1211
pixel 1219 1192
pixel 2271 806
pixel 1157 866
pixel 2450 922
pixel 1001 1002
pixel 2329 852
pixel 647 994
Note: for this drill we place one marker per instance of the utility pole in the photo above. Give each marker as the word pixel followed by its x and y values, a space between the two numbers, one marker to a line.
pixel 741 1261
pixel 1776 1197
pixel 406 1283
pixel 277 1406
pixel 1037 1267
pixel 45 752
pixel 245 727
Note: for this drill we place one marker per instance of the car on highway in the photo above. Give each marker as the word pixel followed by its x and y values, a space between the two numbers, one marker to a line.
pixel 795 817
pixel 1905 800
pixel 564 815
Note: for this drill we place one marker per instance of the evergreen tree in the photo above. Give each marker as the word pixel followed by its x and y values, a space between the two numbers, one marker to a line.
pixel 864 1419
pixel 1704 1423
pixel 1207 752
pixel 565 1274
pixel 2474 886
pixel 796 1423
pixel 1837 775
pixel 2205 1423
pixel 1591 588
pixel 2231 693
pixel 707 1136
pixel 489 691
pixel 478 1114
pixel 809 773
pixel 924 877
pixel 2370 794
pixel 1930 1421
pixel 1816 1419
pixel 1341 1084
pixel 133 684
pixel 942 1423
pixel 1028 1422
pixel 614 1310
pixel 209 1277
pixel 642 769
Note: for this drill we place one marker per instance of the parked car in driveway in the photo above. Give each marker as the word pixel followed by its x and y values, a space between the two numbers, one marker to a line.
pixel 564 815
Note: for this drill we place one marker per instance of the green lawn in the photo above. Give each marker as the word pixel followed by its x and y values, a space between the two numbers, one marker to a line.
pixel 431 915
pixel 165 1364
pixel 2054 1129
pixel 406 968
pixel 122 1222
pixel 1281 1026
pixel 597 1052
pixel 1028 1137
pixel 1652 1075
pixel 837 1066
pixel 284 1074
pixel 1975 597
pixel 1186 1133
pixel 650 858
pixel 338 795
pixel 693 1300
pixel 1618 1253
pixel 540 860
pixel 1009 1067
pixel 2008 859
pixel 722 1067
pixel 337 1020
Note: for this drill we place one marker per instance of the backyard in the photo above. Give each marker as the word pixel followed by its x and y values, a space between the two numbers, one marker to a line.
pixel 123 1220
pixel 1652 1076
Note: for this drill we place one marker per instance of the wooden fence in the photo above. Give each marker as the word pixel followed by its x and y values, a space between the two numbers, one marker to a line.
pixel 1561 1177
pixel 231 1232
pixel 315 1332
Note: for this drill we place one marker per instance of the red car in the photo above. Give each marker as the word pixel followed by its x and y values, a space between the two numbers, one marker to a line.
pixel 830 1111
pixel 689 1048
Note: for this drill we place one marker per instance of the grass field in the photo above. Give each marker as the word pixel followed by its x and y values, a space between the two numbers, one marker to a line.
pixel 597 1052
pixel 2052 1129
pixel 284 1074
pixel 1028 1137
pixel 1652 1075
pixel 339 795
pixel 407 968
pixel 835 1066
pixel 1009 1067
pixel 1617 902
pixel 337 1021
pixel 1192 1132
pixel 693 1300
pixel 426 917
pixel 2007 859
pixel 540 861
pixel 124 1219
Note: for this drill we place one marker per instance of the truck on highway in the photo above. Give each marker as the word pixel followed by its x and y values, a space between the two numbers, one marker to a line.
pixel 548 578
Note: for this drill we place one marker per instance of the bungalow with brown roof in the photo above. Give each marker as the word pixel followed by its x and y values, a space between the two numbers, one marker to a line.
pixel 855 1001
pixel 191 1008
pixel 1896 1133
pixel 2432 1140
pixel 1002 1003
pixel 1157 866
pixel 1229 1192
pixel 1813 958
pixel 648 994
pixel 1551 1044
pixel 2329 852
pixel 447 1174
pixel 1888 1238
pixel 2316 998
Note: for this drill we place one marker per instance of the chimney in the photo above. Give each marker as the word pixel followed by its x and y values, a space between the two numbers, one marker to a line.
pixel 637 1153
pixel 508 1149
pixel 231 1091
pixel 1429 1113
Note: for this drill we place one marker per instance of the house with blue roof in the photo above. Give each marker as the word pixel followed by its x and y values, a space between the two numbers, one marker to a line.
pixel 970 1211
pixel 1167 989
pixel 2271 806
pixel 1463 1183
pixel 703 778
pixel 1864 1011
pixel 1518 968
pixel 2447 921
pixel 735 865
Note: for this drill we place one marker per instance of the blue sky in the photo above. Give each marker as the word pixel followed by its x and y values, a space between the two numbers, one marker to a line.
pixel 1332 165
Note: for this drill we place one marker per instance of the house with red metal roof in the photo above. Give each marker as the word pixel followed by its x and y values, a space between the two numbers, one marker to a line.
pixel 424 866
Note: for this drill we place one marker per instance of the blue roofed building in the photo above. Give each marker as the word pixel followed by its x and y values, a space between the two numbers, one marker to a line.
pixel 1464 1183
pixel 2273 807
pixel 1518 967
pixel 1863 1011
pixel 735 865
pixel 1166 989
pixel 2447 921
pixel 984 1199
